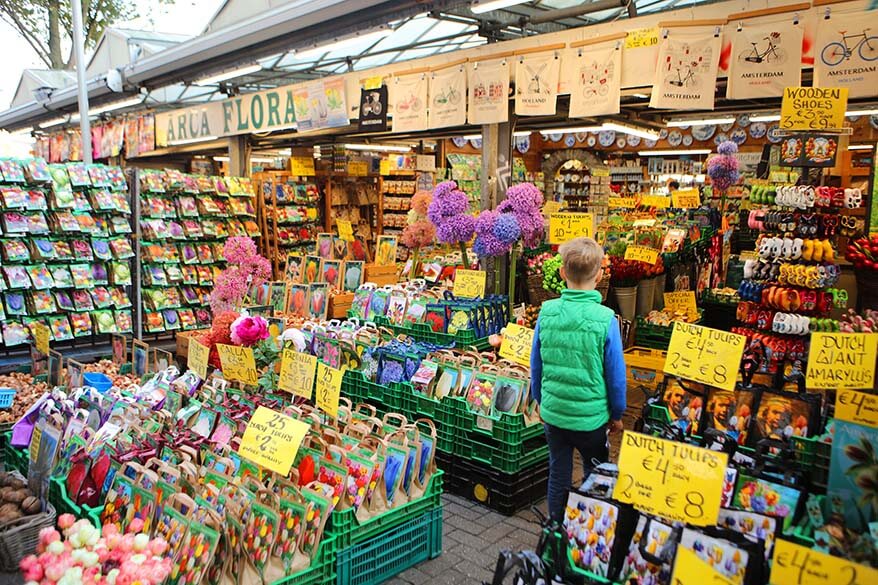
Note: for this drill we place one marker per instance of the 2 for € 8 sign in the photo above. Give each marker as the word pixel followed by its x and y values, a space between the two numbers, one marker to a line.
pixel 705 355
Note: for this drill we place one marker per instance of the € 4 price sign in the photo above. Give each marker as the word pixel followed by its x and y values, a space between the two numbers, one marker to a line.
pixel 705 355
pixel 238 363
pixel 794 564
pixel 272 440
pixel 673 480
pixel 297 372
pixel 564 227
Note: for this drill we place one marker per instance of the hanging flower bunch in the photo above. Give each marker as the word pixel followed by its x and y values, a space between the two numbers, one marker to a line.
pixel 419 232
pixel 246 268
pixel 449 212
pixel 524 202
pixel 722 168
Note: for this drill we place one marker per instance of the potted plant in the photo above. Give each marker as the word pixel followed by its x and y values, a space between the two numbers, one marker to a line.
pixel 626 275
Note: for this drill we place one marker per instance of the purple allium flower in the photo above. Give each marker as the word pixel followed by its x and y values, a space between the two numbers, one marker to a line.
pixel 488 245
pixel 456 229
pixel 727 147
pixel 506 228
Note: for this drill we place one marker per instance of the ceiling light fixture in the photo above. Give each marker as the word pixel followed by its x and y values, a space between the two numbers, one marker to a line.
pixel 867 112
pixel 642 96
pixel 674 152
pixel 483 7
pixel 521 134
pixel 472 136
pixel 191 140
pixel 765 118
pixel 311 53
pixel 54 122
pixel 639 131
pixel 861 147
pixel 700 122
pixel 246 70
pixel 116 106
pixel 574 130
pixel 378 147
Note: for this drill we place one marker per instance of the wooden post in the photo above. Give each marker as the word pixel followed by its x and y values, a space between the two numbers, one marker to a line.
pixel 239 156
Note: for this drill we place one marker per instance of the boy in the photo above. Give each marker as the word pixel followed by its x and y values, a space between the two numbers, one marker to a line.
pixel 577 370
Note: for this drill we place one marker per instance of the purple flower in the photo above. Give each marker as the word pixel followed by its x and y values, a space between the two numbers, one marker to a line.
pixel 448 200
pixel 456 229
pixel 506 228
pixel 524 198
pixel 727 147
pixel 488 245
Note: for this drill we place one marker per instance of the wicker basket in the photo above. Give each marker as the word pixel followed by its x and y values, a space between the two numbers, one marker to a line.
pixel 20 537
pixel 536 294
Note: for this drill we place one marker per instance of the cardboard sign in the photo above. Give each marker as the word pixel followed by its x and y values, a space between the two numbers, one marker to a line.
pixel 683 300
pixel 673 480
pixel 384 167
pixel 42 335
pixel 469 283
pixel 564 227
pixel 517 343
pixel 642 37
pixel 657 201
pixel 302 166
pixel 686 198
pixel 272 440
pixel 813 108
pixel 345 230
pixel 705 355
pixel 621 202
pixel 358 168
pixel 297 372
pixel 857 407
pixel 842 361
pixel 328 389
pixel 797 565
pixel 238 363
pixel 197 357
pixel 600 172
pixel 550 207
pixel 642 253
pixel 689 569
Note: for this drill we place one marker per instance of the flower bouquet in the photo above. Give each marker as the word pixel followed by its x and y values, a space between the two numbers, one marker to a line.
pixel 419 232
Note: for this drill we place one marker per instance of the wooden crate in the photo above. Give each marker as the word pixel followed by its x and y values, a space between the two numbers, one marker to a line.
pixel 339 305
pixel 183 338
pixel 381 275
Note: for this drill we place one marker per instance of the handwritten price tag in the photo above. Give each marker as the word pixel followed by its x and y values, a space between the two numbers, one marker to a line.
pixel 469 283
pixel 642 37
pixel 689 569
pixel 813 108
pixel 328 389
pixel 42 335
pixel 642 253
pixel 196 360
pixel 302 166
pixel 345 230
pixel 706 355
pixel 657 201
pixel 238 363
pixel 297 372
pixel 564 227
pixel 272 440
pixel 621 202
pixel 550 207
pixel 857 407
pixel 358 168
pixel 681 301
pixel 686 198
pixel 517 343
pixel 674 480
pixel 600 172
pixel 796 565
pixel 842 360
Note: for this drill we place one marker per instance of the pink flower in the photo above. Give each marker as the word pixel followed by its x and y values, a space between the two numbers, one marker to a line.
pixel 65 521
pixel 418 234
pixel 248 331
pixel 421 202
pixel 239 250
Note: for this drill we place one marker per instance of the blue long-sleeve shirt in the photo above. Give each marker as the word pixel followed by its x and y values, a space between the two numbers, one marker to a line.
pixel 614 370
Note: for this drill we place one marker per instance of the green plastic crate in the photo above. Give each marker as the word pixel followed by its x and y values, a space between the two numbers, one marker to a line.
pixel 63 504
pixel 322 569
pixel 423 332
pixel 502 457
pixel 349 531
pixel 509 428
pixel 391 552
pixel 13 458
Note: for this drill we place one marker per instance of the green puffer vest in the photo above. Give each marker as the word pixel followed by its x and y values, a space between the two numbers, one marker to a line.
pixel 573 334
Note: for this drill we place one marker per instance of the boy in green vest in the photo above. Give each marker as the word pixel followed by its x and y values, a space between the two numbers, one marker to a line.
pixel 577 370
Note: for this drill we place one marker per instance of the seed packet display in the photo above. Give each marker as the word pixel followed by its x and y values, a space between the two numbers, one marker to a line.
pixel 436 317
pixel 480 394
pixel 780 415
pixel 653 541
pixel 683 403
pixel 598 532
pixel 333 476
pixel 311 269
pixel 754 494
pixel 378 303
pixel 318 301
pixel 728 553
pixel 197 549
pixel 318 508
pixel 362 298
pixel 756 526
pixel 396 307
pixel 353 275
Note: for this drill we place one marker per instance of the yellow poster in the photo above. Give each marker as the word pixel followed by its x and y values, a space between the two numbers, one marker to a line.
pixel 196 359
pixel 328 389
pixel 682 301
pixel 345 230
pixel 238 363
pixel 550 207
pixel 797 565
pixel 469 283
pixel 673 480
pixel 358 168
pixel 642 37
pixel 621 202
pixel 564 227
pixel 297 372
pixel 272 440
pixel 657 201
pixel 642 253
pixel 857 407
pixel 813 108
pixel 686 198
pixel 384 167
pixel 41 337
pixel 517 343
pixel 691 570
pixel 302 166
pixel 842 361
pixel 705 355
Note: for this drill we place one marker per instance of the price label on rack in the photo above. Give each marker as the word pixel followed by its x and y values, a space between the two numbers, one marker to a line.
pixel 657 201
pixel 673 480
pixel 550 207
pixel 358 168
pixel 384 167
pixel 238 363
pixel 564 227
pixel 297 373
pixel 857 407
pixel 813 108
pixel 642 253
pixel 686 198
pixel 842 360
pixel 345 230
pixel 42 335
pixel 621 202
pixel 302 166
pixel 517 344
pixel 469 283
pixel 705 355
pixel 683 301
pixel 794 564
pixel 328 389
pixel 272 440
pixel 197 357
pixel 642 37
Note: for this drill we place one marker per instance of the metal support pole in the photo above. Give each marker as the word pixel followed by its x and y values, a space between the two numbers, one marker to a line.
pixel 79 52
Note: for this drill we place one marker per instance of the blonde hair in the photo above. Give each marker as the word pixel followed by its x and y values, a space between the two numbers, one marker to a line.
pixel 582 259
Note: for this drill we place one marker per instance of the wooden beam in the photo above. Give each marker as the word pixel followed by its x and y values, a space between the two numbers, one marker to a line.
pixel 597 40
pixel 449 65
pixel 817 3
pixel 769 11
pixel 702 22
pixel 545 49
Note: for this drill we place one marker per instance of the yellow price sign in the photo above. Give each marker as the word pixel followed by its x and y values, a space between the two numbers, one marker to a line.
pixel 238 363
pixel 705 355
pixel 673 480
pixel 642 38
pixel 621 202
pixel 384 167
pixel 600 172
pixel 642 254
pixel 469 283
pixel 683 301
pixel 328 389
pixel 345 230
pixel 297 372
pixel 857 407
pixel 272 440
pixel 517 343
pixel 564 227
pixel 686 198
pixel 689 569
pixel 813 108
pixel 35 438
pixel 302 166
pixel 358 168
pixel 42 335
pixel 373 82
pixel 550 207
pixel 657 201
pixel 794 564
pixel 196 358
pixel 842 361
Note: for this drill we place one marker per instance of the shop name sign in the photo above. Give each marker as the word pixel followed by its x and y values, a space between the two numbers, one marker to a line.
pixel 813 108
pixel 842 361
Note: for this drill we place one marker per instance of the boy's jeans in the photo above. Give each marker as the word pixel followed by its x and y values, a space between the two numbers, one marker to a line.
pixel 594 446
